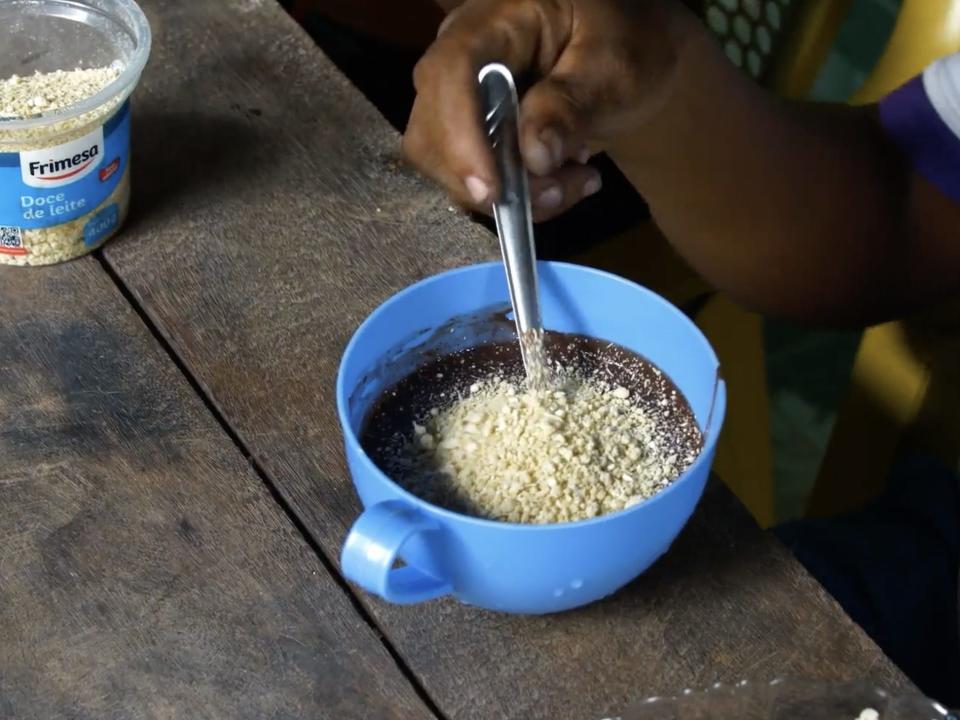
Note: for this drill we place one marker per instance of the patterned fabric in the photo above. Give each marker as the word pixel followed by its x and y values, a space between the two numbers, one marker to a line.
pixel 749 30
pixel 923 117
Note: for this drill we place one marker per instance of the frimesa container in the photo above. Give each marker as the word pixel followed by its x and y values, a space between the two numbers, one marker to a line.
pixel 65 171
pixel 497 565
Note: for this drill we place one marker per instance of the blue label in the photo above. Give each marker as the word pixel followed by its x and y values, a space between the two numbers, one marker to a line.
pixel 101 224
pixel 43 188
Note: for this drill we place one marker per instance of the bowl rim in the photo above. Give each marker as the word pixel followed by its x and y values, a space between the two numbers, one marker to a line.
pixel 714 421
pixel 134 22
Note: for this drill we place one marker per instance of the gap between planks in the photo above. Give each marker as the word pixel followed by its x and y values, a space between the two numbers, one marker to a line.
pixel 274 491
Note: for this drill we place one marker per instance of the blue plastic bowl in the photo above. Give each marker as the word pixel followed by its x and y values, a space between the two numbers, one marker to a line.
pixel 496 565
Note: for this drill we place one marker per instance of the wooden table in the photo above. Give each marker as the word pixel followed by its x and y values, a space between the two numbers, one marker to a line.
pixel 172 485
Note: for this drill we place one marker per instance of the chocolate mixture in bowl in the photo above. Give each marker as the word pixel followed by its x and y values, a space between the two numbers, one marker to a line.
pixel 465 432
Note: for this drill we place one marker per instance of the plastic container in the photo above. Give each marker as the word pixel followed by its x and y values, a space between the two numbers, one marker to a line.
pixel 65 173
pixel 793 699
pixel 497 565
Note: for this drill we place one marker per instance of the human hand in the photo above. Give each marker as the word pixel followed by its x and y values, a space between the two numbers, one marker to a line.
pixel 597 70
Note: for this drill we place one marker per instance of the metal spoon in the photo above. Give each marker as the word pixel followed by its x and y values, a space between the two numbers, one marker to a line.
pixel 501 112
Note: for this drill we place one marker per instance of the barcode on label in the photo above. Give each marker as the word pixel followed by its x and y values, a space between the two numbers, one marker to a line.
pixel 11 241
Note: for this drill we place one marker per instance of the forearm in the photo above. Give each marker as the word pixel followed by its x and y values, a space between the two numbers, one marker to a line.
pixel 796 210
pixel 800 210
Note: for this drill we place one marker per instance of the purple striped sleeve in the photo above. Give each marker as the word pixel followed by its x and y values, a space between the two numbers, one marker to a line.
pixel 911 119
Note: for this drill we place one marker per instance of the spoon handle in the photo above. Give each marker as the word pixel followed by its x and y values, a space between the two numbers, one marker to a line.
pixel 501 112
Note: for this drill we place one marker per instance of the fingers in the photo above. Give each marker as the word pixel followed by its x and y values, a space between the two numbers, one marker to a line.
pixel 550 196
pixel 447 20
pixel 471 189
pixel 554 194
pixel 444 137
pixel 554 125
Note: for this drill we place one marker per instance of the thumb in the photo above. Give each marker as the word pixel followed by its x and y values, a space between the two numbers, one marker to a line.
pixel 554 123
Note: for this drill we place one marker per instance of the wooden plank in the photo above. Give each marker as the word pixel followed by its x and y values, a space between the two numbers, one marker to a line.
pixel 145 570
pixel 272 217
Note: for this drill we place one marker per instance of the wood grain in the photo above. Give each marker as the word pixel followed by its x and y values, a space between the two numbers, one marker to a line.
pixel 271 217
pixel 145 570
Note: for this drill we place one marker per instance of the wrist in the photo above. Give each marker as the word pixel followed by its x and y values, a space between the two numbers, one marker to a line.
pixel 687 84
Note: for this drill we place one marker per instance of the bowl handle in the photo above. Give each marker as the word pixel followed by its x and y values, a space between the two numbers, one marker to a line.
pixel 371 549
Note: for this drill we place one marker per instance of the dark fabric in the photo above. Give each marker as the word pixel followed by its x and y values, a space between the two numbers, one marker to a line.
pixel 894 569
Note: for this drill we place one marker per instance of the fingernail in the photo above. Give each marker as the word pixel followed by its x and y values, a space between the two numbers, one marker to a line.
pixel 538 158
pixel 592 186
pixel 553 141
pixel 550 198
pixel 478 189
pixel 583 157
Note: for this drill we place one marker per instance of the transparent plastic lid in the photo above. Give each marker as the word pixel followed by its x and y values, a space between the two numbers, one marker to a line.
pixel 48 35
pixel 789 700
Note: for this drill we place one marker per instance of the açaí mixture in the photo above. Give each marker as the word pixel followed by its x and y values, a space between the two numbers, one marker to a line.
pixel 467 433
